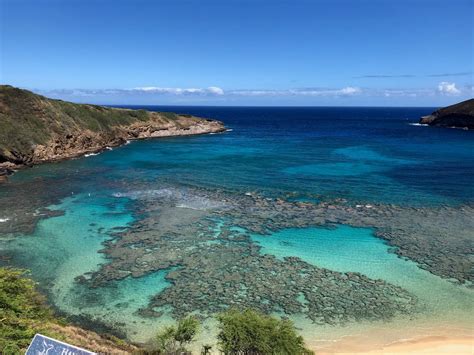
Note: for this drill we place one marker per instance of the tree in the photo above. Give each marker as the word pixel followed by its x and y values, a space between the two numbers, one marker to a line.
pixel 252 333
pixel 186 330
pixel 22 311
pixel 174 339
pixel 166 341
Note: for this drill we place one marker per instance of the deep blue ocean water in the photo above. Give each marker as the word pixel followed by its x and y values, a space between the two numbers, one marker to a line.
pixel 371 154
pixel 367 155
pixel 363 154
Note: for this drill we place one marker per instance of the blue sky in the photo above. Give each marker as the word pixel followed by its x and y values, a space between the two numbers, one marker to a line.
pixel 229 52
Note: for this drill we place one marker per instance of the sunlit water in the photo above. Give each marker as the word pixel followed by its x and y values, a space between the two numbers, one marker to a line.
pixel 368 155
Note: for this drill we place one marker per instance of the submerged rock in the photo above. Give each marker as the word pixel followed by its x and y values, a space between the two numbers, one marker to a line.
pixel 211 261
pixel 212 265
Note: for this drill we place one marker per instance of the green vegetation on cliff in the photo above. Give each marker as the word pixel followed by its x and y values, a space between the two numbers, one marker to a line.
pixel 66 129
pixel 27 119
pixel 23 313
pixel 250 332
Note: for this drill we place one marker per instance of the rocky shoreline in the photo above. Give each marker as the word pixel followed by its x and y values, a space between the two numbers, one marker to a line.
pixel 35 129
pixel 72 146
pixel 88 142
pixel 460 115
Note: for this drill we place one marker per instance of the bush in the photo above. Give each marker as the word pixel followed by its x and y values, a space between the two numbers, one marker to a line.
pixel 22 311
pixel 249 332
pixel 174 339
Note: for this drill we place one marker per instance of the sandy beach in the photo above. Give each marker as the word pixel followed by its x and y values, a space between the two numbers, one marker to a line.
pixel 431 345
pixel 427 345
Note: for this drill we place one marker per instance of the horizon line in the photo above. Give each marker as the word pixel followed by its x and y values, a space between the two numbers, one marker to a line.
pixel 262 106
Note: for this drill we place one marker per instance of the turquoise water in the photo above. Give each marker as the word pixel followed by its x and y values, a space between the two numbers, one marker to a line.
pixel 65 247
pixel 349 249
pixel 364 155
pixel 445 308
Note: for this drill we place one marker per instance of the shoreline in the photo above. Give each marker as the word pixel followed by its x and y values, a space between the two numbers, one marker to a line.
pixel 384 341
pixel 430 345
pixel 426 345
pixel 200 128
pixel 36 129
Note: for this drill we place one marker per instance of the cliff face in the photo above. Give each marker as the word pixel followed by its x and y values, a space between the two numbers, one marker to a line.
pixel 35 129
pixel 460 115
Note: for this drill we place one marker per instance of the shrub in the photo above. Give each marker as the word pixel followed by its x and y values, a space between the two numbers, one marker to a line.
pixel 252 333
pixel 186 330
pixel 174 339
pixel 22 310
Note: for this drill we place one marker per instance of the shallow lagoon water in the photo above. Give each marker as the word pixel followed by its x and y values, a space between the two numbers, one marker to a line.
pixel 444 307
pixel 368 155
pixel 349 249
pixel 65 247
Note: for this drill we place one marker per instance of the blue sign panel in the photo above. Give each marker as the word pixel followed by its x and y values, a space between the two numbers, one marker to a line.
pixel 43 345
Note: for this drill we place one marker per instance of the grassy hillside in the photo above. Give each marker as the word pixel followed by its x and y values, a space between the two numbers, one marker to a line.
pixel 28 120
pixel 23 313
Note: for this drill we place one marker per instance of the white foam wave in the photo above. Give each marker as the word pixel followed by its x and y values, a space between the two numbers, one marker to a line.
pixel 180 198
pixel 419 124
pixel 90 154
pixel 108 148
pixel 229 130
pixel 2 220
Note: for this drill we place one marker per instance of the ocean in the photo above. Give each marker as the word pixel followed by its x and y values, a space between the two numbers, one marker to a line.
pixel 134 237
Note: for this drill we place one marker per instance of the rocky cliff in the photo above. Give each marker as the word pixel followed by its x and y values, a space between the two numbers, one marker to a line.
pixel 460 115
pixel 35 129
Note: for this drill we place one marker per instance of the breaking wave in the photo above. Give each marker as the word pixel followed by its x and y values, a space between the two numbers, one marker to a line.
pixel 419 124
pixel 90 154
pixel 180 198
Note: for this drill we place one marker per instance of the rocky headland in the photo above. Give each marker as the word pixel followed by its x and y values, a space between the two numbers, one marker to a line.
pixel 460 115
pixel 35 129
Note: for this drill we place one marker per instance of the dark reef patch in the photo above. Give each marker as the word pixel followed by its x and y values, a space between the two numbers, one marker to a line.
pixel 215 265
pixel 191 233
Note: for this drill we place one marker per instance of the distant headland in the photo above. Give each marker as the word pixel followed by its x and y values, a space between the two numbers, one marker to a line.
pixel 35 129
pixel 460 115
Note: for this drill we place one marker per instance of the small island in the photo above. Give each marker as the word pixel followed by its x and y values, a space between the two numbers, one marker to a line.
pixel 460 115
pixel 35 129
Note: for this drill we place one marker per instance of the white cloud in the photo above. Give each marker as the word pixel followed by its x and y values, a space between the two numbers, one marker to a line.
pixel 257 92
pixel 350 90
pixel 215 90
pixel 400 92
pixel 146 88
pixel 212 90
pixel 346 91
pixel 446 88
